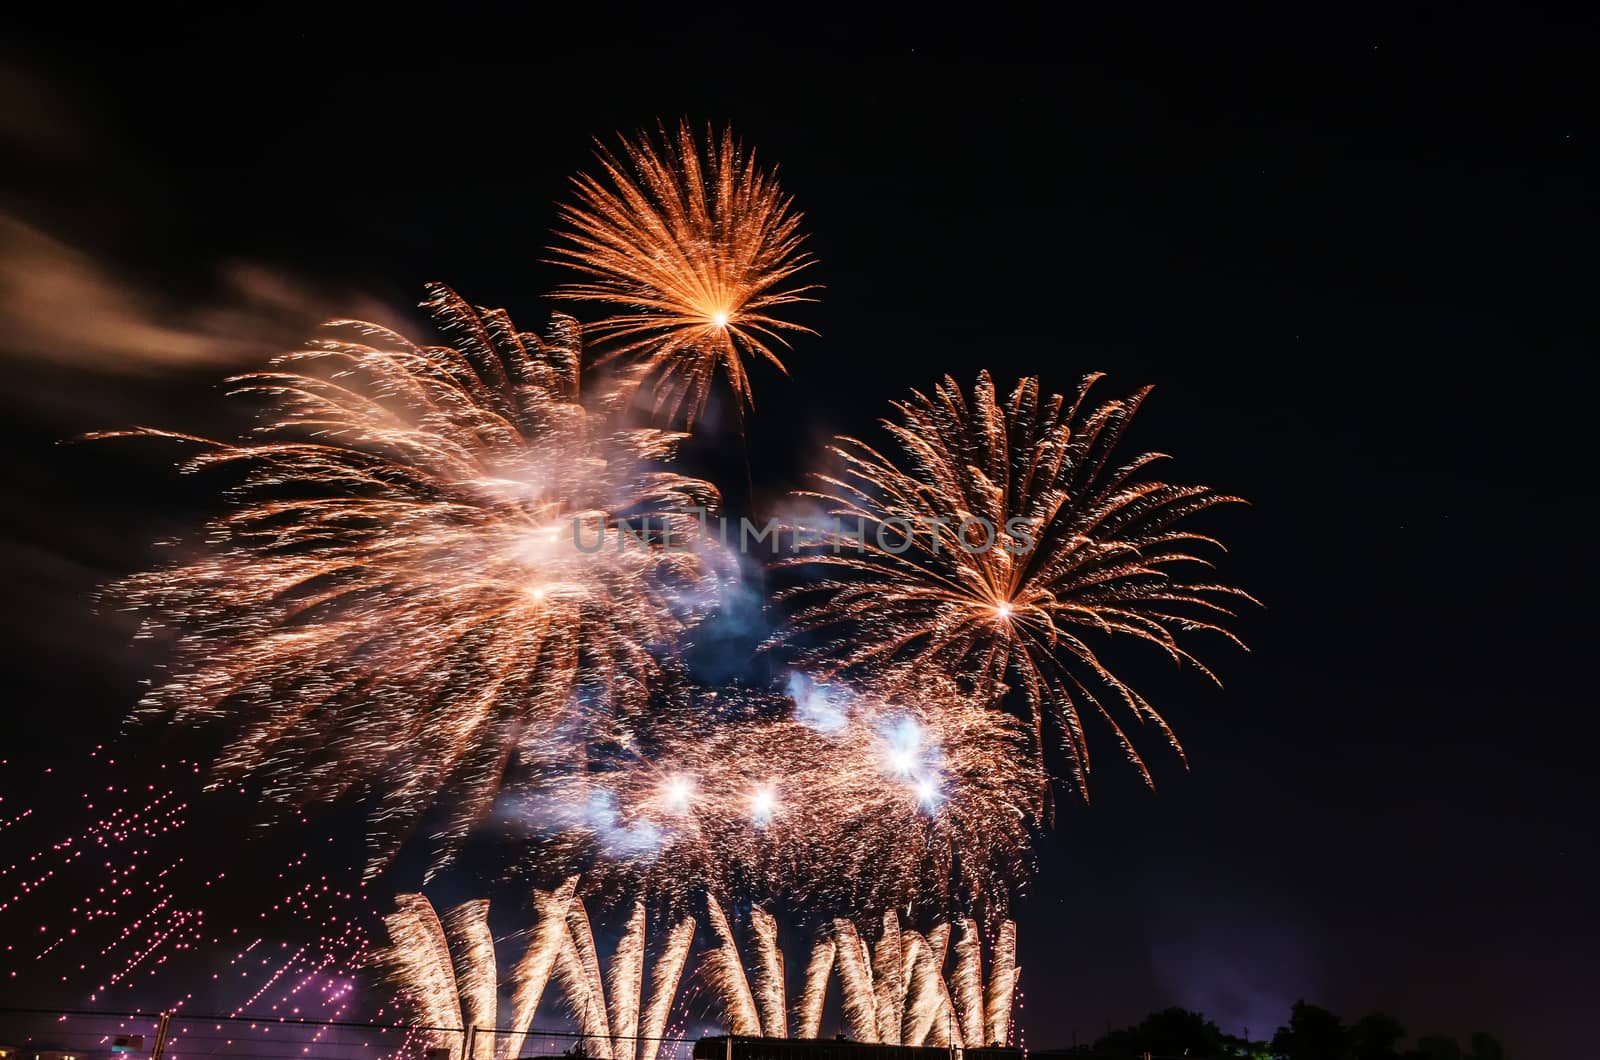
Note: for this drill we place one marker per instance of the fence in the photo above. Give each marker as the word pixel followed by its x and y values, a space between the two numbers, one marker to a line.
pixel 53 1034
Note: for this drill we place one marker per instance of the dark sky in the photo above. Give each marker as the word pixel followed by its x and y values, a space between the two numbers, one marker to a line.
pixel 1355 258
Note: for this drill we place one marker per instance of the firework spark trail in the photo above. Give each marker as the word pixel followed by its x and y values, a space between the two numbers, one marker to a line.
pixel 116 829
pixel 808 1018
pixel 1003 974
pixel 855 982
pixel 466 927
pixel 420 959
pixel 922 995
pixel 581 932
pixel 969 983
pixel 154 913
pixel 282 969
pixel 578 968
pixel 889 979
pixel 725 974
pixel 346 949
pixel 625 983
pixel 926 796
pixel 128 915
pixel 947 1025
pixel 697 249
pixel 664 979
pixel 587 1011
pixel 938 941
pixel 681 1046
pixel 449 987
pixel 399 601
pixel 531 974
pixel 921 1010
pixel 769 986
pixel 158 938
pixel 997 541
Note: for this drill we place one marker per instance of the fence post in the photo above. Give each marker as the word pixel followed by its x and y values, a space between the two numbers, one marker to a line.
pixel 162 1027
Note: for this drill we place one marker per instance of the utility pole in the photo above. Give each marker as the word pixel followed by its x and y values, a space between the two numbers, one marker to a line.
pixel 163 1027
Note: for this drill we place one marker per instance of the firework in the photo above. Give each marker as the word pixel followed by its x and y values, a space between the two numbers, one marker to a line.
pixel 894 991
pixel 116 897
pixel 923 999
pixel 725 972
pixel 624 983
pixel 938 948
pixel 888 983
pixel 854 964
pixel 531 973
pixel 698 250
pixel 472 950
pixel 768 985
pixel 578 968
pixel 448 967
pixel 406 593
pixel 444 963
pixel 809 1015
pixel 664 979
pixel 997 544
pixel 969 983
pixel 843 796
pixel 1003 975
pixel 419 957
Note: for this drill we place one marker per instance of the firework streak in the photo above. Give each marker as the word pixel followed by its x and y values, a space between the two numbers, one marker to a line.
pixel 915 1009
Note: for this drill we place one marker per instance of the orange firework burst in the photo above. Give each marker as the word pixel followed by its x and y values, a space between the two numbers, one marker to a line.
pixel 406 593
pixel 701 249
pixel 1003 536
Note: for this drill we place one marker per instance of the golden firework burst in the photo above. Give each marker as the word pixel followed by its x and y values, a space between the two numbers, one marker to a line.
pixel 698 249
pixel 406 593
pixel 997 544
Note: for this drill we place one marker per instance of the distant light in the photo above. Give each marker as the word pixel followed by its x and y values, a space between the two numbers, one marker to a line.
pixel 720 319
pixel 1003 610
pixel 679 791
pixel 902 760
pixel 928 792
pixel 762 805
pixel 538 594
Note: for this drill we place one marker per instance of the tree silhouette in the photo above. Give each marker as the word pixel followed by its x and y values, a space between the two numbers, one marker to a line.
pixel 1313 1033
pixel 1376 1037
pixel 1170 1032
pixel 1486 1047
pixel 1435 1047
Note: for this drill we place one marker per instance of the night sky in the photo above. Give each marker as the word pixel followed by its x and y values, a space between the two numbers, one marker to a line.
pixel 1354 257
